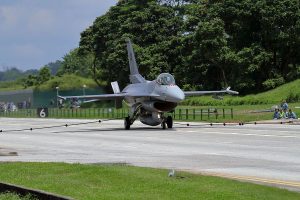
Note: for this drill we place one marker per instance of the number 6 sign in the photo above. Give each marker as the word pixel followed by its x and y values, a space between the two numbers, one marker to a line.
pixel 42 112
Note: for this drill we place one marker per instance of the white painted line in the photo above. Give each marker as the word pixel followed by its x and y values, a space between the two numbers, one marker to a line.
pixel 252 134
pixel 255 179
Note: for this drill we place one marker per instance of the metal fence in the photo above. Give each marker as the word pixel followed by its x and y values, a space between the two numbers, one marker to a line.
pixel 203 114
pixel 36 98
pixel 112 113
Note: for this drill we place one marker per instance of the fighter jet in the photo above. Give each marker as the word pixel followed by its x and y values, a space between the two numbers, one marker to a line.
pixel 149 101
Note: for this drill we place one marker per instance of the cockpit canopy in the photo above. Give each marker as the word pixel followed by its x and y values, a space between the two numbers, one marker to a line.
pixel 165 79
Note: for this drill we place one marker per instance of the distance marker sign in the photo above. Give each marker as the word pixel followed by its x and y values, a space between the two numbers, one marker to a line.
pixel 42 112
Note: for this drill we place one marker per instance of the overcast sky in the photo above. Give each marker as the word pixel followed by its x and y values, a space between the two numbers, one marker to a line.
pixel 36 32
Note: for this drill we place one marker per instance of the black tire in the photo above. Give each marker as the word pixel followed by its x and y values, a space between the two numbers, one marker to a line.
pixel 163 125
pixel 170 122
pixel 127 123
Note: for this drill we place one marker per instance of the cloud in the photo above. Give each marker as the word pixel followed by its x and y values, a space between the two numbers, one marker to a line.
pixel 8 18
pixel 44 31
pixel 26 55
pixel 41 21
pixel 27 51
pixel 22 19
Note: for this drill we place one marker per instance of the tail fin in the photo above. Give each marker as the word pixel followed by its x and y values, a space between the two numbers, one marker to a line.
pixel 132 62
pixel 135 76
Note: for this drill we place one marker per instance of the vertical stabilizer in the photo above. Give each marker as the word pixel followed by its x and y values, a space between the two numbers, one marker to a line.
pixel 135 76
pixel 131 57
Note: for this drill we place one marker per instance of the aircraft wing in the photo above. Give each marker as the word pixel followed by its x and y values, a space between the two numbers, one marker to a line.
pixel 91 98
pixel 198 93
pixel 100 97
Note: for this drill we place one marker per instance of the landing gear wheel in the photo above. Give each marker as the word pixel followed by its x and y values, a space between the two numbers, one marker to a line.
pixel 170 122
pixel 163 125
pixel 127 123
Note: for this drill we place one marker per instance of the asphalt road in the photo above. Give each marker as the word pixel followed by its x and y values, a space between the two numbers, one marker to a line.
pixel 268 154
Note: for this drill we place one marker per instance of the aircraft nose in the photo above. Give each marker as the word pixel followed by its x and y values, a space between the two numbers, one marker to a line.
pixel 180 96
pixel 177 95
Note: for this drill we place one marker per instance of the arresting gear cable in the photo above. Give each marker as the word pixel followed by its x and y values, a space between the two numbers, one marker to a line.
pixel 54 126
pixel 179 123
pixel 289 122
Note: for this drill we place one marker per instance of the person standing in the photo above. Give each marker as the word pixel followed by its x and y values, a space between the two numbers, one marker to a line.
pixel 284 106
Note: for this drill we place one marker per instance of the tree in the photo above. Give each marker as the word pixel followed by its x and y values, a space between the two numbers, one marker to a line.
pixel 44 75
pixel 151 27
pixel 35 80
pixel 251 45
pixel 75 63
pixel 54 66
pixel 31 80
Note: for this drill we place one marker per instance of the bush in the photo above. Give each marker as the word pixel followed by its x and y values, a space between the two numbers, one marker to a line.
pixel 272 83
pixel 292 97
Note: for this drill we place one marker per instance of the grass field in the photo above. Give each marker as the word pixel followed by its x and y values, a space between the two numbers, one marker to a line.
pixel 289 91
pixel 67 82
pixel 127 182
pixel 11 85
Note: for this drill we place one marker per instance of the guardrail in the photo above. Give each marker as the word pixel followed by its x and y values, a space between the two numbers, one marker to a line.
pixel 36 194
pixel 112 113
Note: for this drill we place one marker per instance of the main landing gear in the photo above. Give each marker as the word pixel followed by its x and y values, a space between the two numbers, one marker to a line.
pixel 127 123
pixel 168 122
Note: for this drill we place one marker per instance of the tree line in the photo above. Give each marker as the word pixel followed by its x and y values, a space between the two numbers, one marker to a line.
pixel 251 45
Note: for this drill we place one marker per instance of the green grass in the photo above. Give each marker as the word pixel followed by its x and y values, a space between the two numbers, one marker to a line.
pixel 127 182
pixel 289 91
pixel 67 82
pixel 11 85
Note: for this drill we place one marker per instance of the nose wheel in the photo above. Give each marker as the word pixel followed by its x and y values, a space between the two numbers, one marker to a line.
pixel 168 122
pixel 163 125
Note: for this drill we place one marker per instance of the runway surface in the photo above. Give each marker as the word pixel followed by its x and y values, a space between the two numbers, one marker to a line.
pixel 268 154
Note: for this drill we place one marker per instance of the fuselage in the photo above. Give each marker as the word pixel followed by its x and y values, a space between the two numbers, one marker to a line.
pixel 154 96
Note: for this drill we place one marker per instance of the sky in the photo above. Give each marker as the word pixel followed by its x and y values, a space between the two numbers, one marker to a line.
pixel 36 32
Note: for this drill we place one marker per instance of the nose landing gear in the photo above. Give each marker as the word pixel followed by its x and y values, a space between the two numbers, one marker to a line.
pixel 168 122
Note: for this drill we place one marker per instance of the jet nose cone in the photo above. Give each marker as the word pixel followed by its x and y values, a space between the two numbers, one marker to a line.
pixel 181 96
pixel 177 95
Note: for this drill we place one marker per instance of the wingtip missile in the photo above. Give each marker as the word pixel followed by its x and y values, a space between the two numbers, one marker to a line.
pixel 231 91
